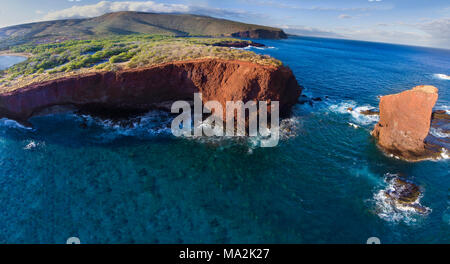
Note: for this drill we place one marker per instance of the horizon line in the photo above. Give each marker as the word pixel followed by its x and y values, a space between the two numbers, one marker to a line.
pixel 237 20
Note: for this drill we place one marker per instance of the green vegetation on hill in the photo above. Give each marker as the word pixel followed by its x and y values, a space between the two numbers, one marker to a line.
pixel 55 60
pixel 128 23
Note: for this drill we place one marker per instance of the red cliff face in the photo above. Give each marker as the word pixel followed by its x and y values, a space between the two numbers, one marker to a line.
pixel 405 122
pixel 141 88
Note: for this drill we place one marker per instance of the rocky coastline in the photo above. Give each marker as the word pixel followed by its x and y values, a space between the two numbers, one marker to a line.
pixel 259 34
pixel 148 87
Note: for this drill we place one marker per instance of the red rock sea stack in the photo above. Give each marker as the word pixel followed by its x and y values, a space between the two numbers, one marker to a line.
pixel 405 123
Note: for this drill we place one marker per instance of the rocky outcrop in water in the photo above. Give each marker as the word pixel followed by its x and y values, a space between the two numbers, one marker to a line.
pixel 441 120
pixel 260 34
pixel 145 88
pixel 238 44
pixel 370 112
pixel 404 194
pixel 405 123
pixel 439 138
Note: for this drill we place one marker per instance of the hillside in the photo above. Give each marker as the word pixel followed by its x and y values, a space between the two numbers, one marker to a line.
pixel 125 23
pixel 73 57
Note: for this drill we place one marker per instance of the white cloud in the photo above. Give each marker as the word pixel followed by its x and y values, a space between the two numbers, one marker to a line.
pixel 410 37
pixel 344 16
pixel 279 4
pixel 309 31
pixel 425 32
pixel 103 7
pixel 388 33
pixel 438 30
pixel 432 33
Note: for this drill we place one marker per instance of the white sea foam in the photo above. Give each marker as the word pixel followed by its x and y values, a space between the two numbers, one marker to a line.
pixel 33 144
pixel 30 145
pixel 393 211
pixel 446 108
pixel 13 124
pixel 263 48
pixel 149 125
pixel 444 154
pixel 289 129
pixel 364 119
pixel 356 116
pixel 249 47
pixel 343 107
pixel 442 76
pixel 245 48
pixel 355 126
pixel 394 156
pixel 438 132
pixel 159 123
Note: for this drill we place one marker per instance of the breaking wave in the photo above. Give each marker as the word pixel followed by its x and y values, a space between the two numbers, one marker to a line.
pixel 441 76
pixel 152 124
pixel 438 132
pixel 158 123
pixel 446 108
pixel 351 108
pixel 249 47
pixel 289 129
pixel 355 126
pixel 31 144
pixel 393 211
pixel 4 122
pixel 444 154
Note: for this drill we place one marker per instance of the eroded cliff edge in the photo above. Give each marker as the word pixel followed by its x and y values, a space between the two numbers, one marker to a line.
pixel 143 88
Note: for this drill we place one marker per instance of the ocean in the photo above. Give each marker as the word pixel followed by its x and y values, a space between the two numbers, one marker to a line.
pixel 323 183
pixel 6 61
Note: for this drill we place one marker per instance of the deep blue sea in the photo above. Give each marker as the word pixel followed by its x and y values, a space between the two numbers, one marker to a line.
pixel 321 184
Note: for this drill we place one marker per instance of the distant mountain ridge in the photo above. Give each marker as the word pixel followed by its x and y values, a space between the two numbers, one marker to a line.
pixel 121 23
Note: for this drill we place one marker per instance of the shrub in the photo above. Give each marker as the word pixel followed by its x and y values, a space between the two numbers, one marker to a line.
pixel 136 50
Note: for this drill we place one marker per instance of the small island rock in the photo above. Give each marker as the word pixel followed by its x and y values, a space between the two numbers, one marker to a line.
pixel 405 122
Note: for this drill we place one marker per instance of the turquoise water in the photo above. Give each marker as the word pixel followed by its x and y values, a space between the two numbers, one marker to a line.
pixel 106 184
pixel 7 61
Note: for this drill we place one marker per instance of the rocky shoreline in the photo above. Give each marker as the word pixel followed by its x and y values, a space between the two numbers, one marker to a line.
pixel 146 88
pixel 403 130
pixel 259 34
pixel 239 44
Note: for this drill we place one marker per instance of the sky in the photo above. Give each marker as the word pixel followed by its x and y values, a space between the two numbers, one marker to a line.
pixel 411 22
